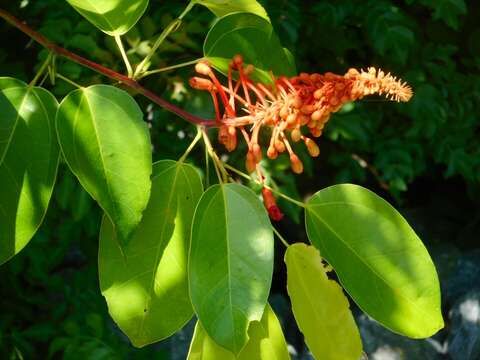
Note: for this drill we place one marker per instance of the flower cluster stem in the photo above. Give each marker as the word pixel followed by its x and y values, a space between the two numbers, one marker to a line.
pixel 192 145
pixel 276 192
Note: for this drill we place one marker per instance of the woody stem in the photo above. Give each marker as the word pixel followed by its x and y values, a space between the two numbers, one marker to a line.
pixel 132 84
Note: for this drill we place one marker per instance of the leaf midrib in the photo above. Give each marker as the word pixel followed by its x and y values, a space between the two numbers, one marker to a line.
pixel 157 255
pixel 368 266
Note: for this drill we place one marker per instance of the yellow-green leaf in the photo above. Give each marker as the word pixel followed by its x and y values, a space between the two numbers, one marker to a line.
pixel 266 342
pixel 320 308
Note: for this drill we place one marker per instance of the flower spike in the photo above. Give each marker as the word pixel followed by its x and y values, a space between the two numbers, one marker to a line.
pixel 289 105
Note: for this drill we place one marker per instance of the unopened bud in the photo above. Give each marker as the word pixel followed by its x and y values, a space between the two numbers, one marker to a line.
pixel 317 115
pixel 238 60
pixel 231 143
pixel 308 109
pixel 296 135
pixel 203 68
pixel 271 205
pixel 250 163
pixel 316 132
pixel 249 69
pixel 257 153
pixel 296 102
pixel 292 119
pixel 312 147
pixel 201 83
pixel 279 146
pixel 272 153
pixel 296 164
pixel 318 94
pixel 284 112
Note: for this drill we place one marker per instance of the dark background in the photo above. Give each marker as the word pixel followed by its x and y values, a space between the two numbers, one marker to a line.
pixel 424 157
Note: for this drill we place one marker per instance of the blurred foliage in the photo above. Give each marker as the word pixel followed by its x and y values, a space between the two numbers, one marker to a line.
pixel 51 304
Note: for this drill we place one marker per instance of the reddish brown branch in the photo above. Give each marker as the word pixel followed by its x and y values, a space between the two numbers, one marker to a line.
pixel 42 40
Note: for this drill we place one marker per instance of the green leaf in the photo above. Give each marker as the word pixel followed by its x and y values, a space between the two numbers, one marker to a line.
pixel 266 342
pixel 28 162
pixel 113 17
pixel 146 285
pixel 378 258
pixel 254 38
pixel 224 7
pixel 320 308
pixel 106 144
pixel 231 263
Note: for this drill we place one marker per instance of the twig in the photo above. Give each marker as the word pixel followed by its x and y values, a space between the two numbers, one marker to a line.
pixel 132 84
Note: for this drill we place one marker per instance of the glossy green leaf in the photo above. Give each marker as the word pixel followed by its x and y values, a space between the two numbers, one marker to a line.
pixel 231 263
pixel 146 285
pixel 254 38
pixel 28 162
pixel 266 342
pixel 224 7
pixel 379 259
pixel 114 17
pixel 320 308
pixel 106 144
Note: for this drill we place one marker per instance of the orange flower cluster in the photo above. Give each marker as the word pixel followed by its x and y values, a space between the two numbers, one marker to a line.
pixel 290 107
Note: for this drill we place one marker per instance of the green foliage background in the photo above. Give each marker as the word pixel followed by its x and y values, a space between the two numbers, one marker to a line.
pixel 424 155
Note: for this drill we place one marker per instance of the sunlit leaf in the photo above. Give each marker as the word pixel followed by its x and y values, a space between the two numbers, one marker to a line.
pixel 114 17
pixel 146 285
pixel 320 308
pixel 266 342
pixel 224 7
pixel 252 37
pixel 106 144
pixel 28 162
pixel 378 258
pixel 231 263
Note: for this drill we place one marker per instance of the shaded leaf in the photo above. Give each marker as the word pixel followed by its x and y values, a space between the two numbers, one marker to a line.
pixel 28 162
pixel 320 308
pixel 224 7
pixel 146 285
pixel 230 263
pixel 379 259
pixel 106 144
pixel 254 38
pixel 113 17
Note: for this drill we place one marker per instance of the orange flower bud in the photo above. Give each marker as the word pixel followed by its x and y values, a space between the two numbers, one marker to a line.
pixel 296 164
pixel 272 153
pixel 257 153
pixel 292 119
pixel 279 146
pixel 312 147
pixel 238 60
pixel 201 84
pixel 249 69
pixel 250 163
pixel 317 115
pixel 203 68
pixel 296 135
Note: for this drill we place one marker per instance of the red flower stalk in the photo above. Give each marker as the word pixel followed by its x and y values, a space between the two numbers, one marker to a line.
pixel 288 106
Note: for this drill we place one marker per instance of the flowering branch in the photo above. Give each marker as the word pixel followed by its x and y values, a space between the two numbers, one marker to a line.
pixel 132 84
